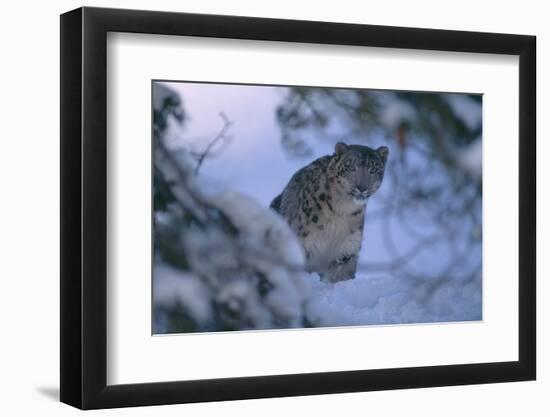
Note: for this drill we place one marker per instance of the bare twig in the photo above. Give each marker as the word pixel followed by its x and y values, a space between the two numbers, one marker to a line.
pixel 222 135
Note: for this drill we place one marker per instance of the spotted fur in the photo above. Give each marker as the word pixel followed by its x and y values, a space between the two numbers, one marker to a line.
pixel 324 203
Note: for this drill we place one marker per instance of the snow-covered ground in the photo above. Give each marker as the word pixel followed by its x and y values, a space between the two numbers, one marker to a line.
pixel 386 300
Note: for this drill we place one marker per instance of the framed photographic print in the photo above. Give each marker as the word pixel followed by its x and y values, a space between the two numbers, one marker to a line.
pixel 258 207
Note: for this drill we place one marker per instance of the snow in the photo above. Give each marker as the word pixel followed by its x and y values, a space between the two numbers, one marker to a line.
pixel 274 249
pixel 255 222
pixel 226 270
pixel 397 112
pixel 385 300
pixel 162 95
pixel 173 288
pixel 468 110
pixel 471 158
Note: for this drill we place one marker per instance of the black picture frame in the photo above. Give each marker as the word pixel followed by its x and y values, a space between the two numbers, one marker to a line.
pixel 84 207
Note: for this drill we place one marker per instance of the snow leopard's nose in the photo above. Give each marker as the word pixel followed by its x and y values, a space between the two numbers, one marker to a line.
pixel 361 188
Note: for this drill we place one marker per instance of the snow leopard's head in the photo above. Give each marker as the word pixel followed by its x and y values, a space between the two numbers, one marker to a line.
pixel 357 171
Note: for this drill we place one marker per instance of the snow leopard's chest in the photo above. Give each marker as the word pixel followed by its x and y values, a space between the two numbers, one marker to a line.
pixel 333 236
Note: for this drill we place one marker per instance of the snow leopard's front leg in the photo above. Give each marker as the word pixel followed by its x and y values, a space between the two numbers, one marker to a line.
pixel 341 269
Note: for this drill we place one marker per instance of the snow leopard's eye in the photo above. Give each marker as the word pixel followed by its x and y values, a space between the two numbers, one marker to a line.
pixel 375 168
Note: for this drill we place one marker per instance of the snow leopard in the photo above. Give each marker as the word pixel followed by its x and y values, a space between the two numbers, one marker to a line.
pixel 325 202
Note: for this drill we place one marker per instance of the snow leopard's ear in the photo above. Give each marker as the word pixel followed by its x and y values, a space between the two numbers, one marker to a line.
pixel 340 148
pixel 383 153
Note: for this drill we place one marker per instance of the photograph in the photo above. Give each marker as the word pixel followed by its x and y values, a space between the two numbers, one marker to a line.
pixel 285 207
